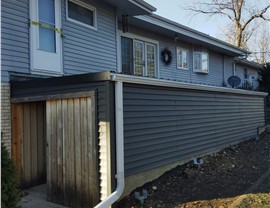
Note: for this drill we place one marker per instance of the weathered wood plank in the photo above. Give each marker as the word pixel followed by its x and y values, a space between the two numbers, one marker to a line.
pixel 54 169
pixel 83 117
pixel 93 150
pixel 59 141
pixel 41 157
pixel 17 122
pixel 71 149
pixel 33 141
pixel 26 145
pixel 66 152
pixel 78 154
pixel 49 149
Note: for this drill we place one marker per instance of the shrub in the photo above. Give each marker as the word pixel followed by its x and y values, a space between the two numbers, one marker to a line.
pixel 265 78
pixel 9 186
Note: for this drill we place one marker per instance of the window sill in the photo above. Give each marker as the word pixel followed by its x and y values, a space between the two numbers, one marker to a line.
pixel 45 72
pixel 186 69
pixel 200 72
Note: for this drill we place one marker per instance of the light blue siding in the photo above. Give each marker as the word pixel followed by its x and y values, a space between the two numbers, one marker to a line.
pixel 228 63
pixel 251 72
pixel 88 50
pixel 165 125
pixel 15 38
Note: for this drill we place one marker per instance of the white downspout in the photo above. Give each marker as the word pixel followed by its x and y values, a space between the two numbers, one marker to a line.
pixel 119 148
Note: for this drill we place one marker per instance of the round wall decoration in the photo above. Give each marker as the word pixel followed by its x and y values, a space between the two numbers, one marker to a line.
pixel 166 56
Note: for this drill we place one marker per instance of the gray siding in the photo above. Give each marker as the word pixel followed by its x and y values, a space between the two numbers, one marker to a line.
pixel 15 37
pixel 164 125
pixel 251 72
pixel 84 50
pixel 171 72
pixel 228 63
pixel 87 50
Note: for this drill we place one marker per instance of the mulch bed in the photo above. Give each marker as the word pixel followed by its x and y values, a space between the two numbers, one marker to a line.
pixel 222 177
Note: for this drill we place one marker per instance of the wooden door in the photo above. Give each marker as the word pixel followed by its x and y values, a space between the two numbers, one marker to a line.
pixel 72 168
pixel 28 142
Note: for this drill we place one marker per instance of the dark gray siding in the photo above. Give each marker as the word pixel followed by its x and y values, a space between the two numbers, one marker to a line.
pixel 15 37
pixel 164 125
pixel 87 50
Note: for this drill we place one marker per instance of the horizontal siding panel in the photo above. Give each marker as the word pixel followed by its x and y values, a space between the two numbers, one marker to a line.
pixel 82 45
pixel 15 37
pixel 166 124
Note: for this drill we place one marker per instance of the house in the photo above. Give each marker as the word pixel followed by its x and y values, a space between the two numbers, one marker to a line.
pixel 101 96
pixel 248 72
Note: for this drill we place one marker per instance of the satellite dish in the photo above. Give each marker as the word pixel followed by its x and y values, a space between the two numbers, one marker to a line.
pixel 234 81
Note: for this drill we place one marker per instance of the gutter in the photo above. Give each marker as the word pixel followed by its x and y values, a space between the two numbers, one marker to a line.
pixel 119 147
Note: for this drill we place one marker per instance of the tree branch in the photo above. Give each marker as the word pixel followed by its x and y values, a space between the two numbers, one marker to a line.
pixel 258 15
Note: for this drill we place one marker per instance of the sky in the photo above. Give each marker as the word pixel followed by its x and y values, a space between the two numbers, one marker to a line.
pixel 174 10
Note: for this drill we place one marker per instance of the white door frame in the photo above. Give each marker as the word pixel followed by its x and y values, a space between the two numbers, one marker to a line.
pixel 43 62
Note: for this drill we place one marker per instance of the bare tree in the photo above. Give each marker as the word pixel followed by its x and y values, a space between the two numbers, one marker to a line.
pixel 241 14
pixel 260 45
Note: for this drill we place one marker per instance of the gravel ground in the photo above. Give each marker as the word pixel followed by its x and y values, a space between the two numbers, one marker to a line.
pixel 223 177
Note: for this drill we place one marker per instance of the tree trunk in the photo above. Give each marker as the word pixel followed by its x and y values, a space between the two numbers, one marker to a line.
pixel 238 35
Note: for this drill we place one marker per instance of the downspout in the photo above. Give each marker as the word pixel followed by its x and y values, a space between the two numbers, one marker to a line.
pixel 223 71
pixel 119 147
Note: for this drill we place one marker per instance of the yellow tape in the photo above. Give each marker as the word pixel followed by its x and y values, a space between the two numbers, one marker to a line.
pixel 46 26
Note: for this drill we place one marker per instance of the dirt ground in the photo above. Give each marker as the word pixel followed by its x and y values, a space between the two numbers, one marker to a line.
pixel 223 177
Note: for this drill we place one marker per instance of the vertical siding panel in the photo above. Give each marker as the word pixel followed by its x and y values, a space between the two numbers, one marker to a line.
pixel 54 170
pixel 84 138
pixel 27 145
pixel 41 157
pixel 34 144
pixel 49 149
pixel 59 149
pixel 71 144
pixel 66 153
pixel 78 153
pixel 17 133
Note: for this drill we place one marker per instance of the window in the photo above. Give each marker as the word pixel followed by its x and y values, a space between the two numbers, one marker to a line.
pixel 45 36
pixel 182 58
pixel 200 62
pixel 81 13
pixel 138 57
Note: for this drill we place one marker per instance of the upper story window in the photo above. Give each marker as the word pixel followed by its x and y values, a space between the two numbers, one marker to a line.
pixel 138 57
pixel 200 62
pixel 45 36
pixel 182 58
pixel 81 13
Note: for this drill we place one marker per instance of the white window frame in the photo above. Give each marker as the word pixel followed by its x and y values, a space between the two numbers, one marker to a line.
pixel 87 6
pixel 201 70
pixel 43 62
pixel 178 49
pixel 138 38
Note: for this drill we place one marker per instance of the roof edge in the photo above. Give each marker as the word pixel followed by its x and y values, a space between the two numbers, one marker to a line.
pixel 182 29
pixel 144 5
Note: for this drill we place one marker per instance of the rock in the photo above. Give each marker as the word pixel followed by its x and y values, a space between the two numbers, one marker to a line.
pixel 190 173
pixel 154 187
pixel 233 166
